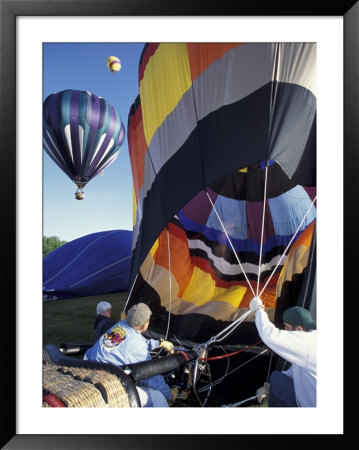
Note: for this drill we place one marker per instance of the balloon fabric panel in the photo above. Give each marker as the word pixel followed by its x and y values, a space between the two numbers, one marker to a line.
pixel 137 146
pixel 163 89
pixel 201 55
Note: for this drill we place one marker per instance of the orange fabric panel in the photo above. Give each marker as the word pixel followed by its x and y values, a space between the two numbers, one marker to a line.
pixel 205 265
pixel 181 265
pixel 201 55
pixel 306 237
pixel 268 297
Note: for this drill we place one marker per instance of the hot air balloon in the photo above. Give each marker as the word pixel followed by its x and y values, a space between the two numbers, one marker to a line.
pixel 222 142
pixel 113 64
pixel 95 264
pixel 82 134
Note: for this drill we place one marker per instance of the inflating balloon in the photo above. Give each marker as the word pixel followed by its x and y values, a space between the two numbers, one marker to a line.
pixel 113 64
pixel 222 142
pixel 82 134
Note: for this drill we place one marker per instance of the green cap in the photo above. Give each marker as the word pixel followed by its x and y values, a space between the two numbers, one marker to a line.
pixel 299 316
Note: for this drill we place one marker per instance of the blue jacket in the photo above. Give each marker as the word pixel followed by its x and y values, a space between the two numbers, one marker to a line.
pixel 123 345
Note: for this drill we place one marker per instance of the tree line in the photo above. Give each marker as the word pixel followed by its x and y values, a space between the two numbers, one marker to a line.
pixel 51 243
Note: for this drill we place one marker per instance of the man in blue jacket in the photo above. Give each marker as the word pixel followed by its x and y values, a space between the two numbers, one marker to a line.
pixel 124 344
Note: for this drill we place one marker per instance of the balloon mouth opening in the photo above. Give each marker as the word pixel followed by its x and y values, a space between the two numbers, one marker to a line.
pixel 80 182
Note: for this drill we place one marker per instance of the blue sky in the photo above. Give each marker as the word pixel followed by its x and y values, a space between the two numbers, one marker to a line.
pixel 108 199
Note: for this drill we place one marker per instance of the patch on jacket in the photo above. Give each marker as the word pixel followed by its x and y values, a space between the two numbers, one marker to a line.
pixel 114 337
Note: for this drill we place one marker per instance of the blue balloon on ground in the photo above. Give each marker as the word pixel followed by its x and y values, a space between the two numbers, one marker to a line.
pixel 95 264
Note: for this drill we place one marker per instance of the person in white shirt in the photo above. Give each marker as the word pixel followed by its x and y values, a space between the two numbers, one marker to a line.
pixel 296 387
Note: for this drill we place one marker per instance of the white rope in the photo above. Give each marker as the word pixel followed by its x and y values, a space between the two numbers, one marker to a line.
pixel 290 242
pixel 234 405
pixel 129 295
pixel 233 325
pixel 262 232
pixel 228 329
pixel 230 243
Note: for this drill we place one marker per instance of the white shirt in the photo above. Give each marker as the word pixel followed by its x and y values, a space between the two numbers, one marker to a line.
pixel 298 348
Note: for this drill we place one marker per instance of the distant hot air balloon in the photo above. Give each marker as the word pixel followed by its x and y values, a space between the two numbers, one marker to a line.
pixel 113 63
pixel 82 134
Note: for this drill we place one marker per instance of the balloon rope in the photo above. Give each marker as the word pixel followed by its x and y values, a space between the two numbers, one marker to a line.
pixel 218 337
pixel 170 281
pixel 230 328
pixel 262 233
pixel 230 243
pixel 129 295
pixel 290 242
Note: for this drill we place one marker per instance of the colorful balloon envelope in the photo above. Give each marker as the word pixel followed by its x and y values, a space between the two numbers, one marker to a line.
pixel 82 134
pixel 222 142
pixel 113 64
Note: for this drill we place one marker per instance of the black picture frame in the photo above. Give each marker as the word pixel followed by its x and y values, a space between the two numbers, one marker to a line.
pixel 9 10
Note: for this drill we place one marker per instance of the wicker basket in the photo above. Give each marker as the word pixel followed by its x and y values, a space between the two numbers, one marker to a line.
pixel 78 387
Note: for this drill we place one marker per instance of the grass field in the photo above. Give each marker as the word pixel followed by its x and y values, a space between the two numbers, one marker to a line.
pixel 72 320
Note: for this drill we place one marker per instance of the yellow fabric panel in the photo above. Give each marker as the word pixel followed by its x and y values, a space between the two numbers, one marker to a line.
pixel 154 248
pixel 202 289
pixel 161 280
pixel 297 259
pixel 161 92
pixel 245 170
pixel 295 264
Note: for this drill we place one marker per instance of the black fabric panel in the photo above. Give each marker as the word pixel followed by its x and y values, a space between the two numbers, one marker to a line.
pixel 235 135
pixel 142 292
pixel 306 173
pixel 249 185
pixel 288 297
pixel 200 328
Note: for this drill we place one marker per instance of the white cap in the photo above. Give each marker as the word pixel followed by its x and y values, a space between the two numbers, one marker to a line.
pixel 102 307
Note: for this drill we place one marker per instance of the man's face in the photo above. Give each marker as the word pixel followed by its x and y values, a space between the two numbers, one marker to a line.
pixel 289 327
pixel 145 326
